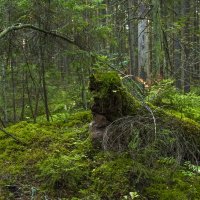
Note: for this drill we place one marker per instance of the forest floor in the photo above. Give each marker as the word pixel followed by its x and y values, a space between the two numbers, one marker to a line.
pixel 57 160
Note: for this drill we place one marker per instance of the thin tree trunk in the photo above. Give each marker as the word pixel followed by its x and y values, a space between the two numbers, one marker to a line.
pixel 36 105
pixel 2 122
pixel 186 11
pixel 43 74
pixel 83 90
pixel 23 95
pixel 13 91
pixel 29 95
pixel 133 69
pixel 44 87
pixel 4 88
pixel 157 41
pixel 177 62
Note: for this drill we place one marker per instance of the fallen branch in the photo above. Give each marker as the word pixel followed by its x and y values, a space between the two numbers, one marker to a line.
pixel 30 26
pixel 12 136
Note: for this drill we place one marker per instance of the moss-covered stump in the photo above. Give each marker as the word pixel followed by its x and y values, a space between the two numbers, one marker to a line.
pixel 110 97
pixel 111 102
pixel 114 105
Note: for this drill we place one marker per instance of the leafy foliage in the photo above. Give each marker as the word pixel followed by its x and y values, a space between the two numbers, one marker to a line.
pixel 165 94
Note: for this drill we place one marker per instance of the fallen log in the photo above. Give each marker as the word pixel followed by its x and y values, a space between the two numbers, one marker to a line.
pixel 118 117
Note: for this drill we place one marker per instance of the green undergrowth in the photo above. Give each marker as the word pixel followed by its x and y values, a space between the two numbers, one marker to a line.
pixel 58 161
pixel 165 95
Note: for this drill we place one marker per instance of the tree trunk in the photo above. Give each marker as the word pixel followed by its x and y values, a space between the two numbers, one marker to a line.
pixel 187 67
pixel 132 32
pixel 158 65
pixel 4 95
pixel 177 62
pixel 143 43
pixel 44 87
pixel 13 92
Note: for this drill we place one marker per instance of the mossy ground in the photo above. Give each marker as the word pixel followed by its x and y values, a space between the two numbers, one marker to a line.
pixel 59 162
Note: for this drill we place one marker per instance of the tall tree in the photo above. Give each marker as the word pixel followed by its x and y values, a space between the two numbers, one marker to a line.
pixel 143 41
pixel 132 28
pixel 186 33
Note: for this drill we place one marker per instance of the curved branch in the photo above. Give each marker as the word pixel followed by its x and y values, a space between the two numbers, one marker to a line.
pixel 30 26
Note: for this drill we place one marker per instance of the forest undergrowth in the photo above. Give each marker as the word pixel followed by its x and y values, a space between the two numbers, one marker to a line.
pixel 57 160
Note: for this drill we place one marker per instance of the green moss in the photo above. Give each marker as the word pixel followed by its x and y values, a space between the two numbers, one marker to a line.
pixel 167 184
pixel 66 172
pixel 112 100
pixel 110 174
pixel 60 160
pixel 47 143
pixel 110 97
pixel 186 126
pixel 84 116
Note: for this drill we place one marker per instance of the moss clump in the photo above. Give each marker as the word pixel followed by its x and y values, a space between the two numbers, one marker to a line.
pixel 185 131
pixel 78 118
pixel 110 97
pixel 165 94
pixel 187 126
pixel 47 144
pixel 167 183
pixel 112 175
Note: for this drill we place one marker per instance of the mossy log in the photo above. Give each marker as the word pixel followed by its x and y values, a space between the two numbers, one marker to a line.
pixel 112 101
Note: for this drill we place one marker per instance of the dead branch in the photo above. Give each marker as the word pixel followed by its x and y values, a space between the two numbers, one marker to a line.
pixel 30 26
pixel 12 136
